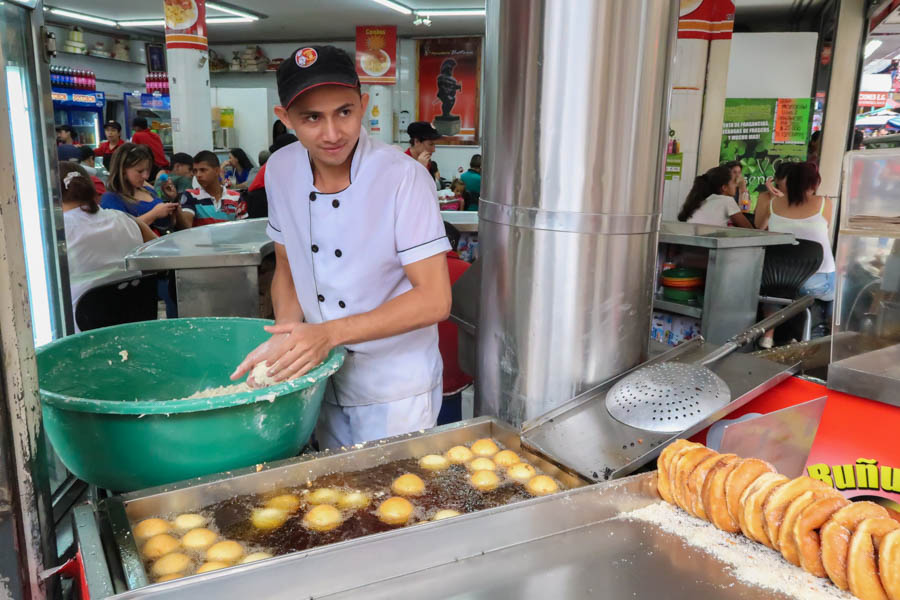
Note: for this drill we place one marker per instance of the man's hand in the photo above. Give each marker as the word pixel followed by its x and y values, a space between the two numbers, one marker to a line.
pixel 263 352
pixel 424 159
pixel 306 345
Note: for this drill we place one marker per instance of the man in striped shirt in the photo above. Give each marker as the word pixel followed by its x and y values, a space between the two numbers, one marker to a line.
pixel 211 202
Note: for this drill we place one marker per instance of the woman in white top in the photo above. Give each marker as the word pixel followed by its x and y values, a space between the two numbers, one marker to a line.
pixel 96 239
pixel 711 200
pixel 795 208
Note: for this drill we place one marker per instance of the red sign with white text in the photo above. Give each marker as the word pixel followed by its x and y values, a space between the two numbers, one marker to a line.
pixel 186 24
pixel 376 54
pixel 706 19
pixel 449 76
pixel 878 99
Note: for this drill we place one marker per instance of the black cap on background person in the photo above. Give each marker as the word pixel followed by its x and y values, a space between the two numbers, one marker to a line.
pixel 113 125
pixel 139 123
pixel 312 66
pixel 422 130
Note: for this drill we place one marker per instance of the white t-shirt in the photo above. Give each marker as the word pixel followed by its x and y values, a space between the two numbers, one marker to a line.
pixel 716 210
pixel 347 252
pixel 96 242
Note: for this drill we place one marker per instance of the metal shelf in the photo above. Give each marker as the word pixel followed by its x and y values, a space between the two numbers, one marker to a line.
pixel 681 308
pixel 126 62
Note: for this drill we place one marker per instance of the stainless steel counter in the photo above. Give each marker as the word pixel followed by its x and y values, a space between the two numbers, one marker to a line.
pixel 464 220
pixel 705 236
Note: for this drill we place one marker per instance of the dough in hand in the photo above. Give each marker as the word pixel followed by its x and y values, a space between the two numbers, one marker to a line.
pixel 260 375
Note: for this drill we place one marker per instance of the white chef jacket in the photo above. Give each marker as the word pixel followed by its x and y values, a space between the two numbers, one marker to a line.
pixel 347 252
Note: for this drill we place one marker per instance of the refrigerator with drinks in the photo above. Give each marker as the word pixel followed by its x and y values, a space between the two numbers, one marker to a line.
pixel 155 108
pixel 77 103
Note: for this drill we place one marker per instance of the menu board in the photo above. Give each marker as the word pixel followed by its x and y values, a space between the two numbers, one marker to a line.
pixel 186 24
pixel 449 80
pixel 376 54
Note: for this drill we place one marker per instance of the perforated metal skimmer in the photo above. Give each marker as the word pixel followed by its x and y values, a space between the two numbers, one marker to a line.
pixel 667 397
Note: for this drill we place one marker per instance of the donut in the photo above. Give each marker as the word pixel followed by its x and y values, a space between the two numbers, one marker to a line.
pixel 662 467
pixel 485 447
pixel 189 521
pixel 354 501
pixel 835 537
pixel 778 501
pixel 170 564
pixel 147 528
pixel 255 557
pixel 541 486
pixel 434 462
pixel 408 485
pixel 672 466
pixel 445 514
pixel 751 519
pixel 228 551
pixel 267 519
pixel 806 532
pixel 458 455
pixel 889 564
pixel 713 496
pixel 862 564
pixel 324 496
pixel 484 481
pixel 199 539
pixel 289 503
pixel 212 565
pixel 744 473
pixel 681 469
pixel 159 545
pixel 521 472
pixel 787 544
pixel 506 458
pixel 693 492
pixel 323 517
pixel 395 510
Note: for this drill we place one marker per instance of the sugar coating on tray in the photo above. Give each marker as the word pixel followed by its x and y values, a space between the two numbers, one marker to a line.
pixel 149 527
pixel 541 485
pixel 354 500
pixel 434 462
pixel 408 485
pixel 445 514
pixel 228 551
pixel 199 539
pixel 159 545
pixel 485 447
pixel 324 496
pixel 286 502
pixel 267 519
pixel 808 522
pixel 323 517
pixel 521 472
pixel 395 510
pixel 481 464
pixel 484 481
pixel 458 455
pixel 170 564
pixel 506 458
pixel 189 521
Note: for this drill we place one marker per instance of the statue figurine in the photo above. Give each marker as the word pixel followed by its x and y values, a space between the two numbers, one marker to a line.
pixel 446 123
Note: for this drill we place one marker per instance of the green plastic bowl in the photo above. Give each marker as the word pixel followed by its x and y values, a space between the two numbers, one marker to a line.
pixel 118 421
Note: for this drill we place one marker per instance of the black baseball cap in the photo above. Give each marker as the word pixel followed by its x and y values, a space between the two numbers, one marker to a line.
pixel 422 130
pixel 113 125
pixel 312 66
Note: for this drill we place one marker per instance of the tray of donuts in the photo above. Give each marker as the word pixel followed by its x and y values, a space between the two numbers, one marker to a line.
pixel 856 545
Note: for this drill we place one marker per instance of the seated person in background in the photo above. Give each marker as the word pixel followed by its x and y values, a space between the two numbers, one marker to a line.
pixel 472 179
pixel 436 174
pixel 68 152
pixel 66 135
pixel 87 162
pixel 741 194
pixel 180 176
pixel 463 198
pixel 212 202
pixel 261 159
pixel 774 187
pixel 711 200
pixel 257 201
pixel 455 380
pixel 127 190
pixel 143 135
pixel 241 166
pixel 96 239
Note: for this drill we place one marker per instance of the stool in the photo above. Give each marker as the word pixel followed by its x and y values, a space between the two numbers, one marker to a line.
pixel 785 269
pixel 116 303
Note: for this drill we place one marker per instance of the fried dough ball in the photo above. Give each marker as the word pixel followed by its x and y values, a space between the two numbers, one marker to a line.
pixel 159 545
pixel 255 557
pixel 286 502
pixel 506 458
pixel 408 485
pixel 354 501
pixel 395 510
pixel 541 485
pixel 228 551
pixel 484 481
pixel 147 528
pixel 458 455
pixel 485 447
pixel 189 521
pixel 267 519
pixel 171 564
pixel 323 517
pixel 434 462
pixel 445 514
pixel 481 464
pixel 324 496
pixel 521 472
pixel 212 565
pixel 199 539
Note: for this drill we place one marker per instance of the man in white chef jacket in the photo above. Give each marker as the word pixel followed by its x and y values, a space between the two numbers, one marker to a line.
pixel 361 259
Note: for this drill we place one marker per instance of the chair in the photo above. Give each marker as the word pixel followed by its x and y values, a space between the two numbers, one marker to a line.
pixel 785 269
pixel 116 303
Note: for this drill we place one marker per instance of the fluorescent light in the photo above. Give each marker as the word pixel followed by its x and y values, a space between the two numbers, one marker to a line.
pixel 231 11
pixel 229 19
pixel 143 23
pixel 460 12
pixel 871 47
pixel 394 6
pixel 82 17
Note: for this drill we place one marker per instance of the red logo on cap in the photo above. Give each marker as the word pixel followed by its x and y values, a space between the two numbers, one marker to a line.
pixel 306 57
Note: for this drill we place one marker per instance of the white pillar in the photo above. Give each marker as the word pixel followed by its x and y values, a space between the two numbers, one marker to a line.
pixel 714 105
pixel 379 120
pixel 189 87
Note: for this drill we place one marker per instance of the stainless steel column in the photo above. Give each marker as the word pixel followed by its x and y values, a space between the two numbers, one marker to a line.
pixel 576 100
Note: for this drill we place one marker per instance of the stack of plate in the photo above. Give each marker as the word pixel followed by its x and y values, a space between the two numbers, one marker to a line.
pixel 682 284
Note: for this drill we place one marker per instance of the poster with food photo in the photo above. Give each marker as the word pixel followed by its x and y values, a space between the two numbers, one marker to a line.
pixel 186 24
pixel 449 74
pixel 376 54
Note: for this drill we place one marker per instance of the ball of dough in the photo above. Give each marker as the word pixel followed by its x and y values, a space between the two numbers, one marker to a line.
pixel 255 557
pixel 541 486
pixel 147 528
pixel 166 578
pixel 408 485
pixel 506 458
pixel 199 539
pixel 260 375
pixel 323 517
pixel 481 464
pixel 459 455
pixel 445 514
pixel 324 496
pixel 227 552
pixel 267 519
pixel 159 545
pixel 395 510
pixel 485 447
pixel 434 462
pixel 170 564
pixel 484 480
pixel 211 566
pixel 353 501
pixel 521 472
pixel 286 502
pixel 189 521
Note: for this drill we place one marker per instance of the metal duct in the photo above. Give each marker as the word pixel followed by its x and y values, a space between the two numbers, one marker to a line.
pixel 576 101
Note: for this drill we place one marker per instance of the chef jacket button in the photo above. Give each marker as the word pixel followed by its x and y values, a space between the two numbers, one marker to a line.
pixel 338 253
pixel 321 298
pixel 312 196
pixel 341 304
pixel 315 248
pixel 335 203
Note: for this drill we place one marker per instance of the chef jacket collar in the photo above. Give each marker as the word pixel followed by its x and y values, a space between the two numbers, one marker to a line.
pixel 359 155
